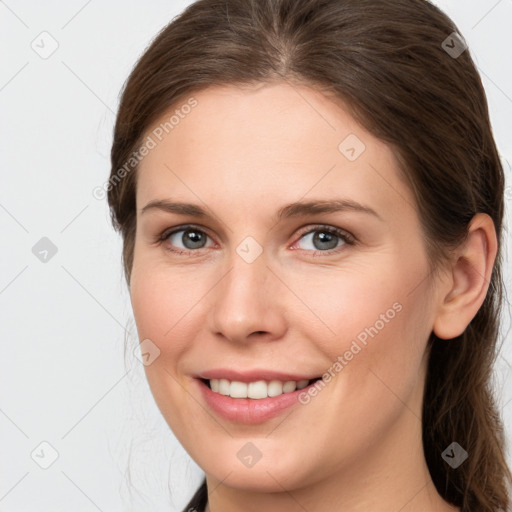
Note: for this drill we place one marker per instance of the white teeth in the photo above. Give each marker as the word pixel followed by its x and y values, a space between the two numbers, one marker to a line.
pixel 238 389
pixel 275 388
pixel 302 384
pixel 256 390
pixel 224 386
pixel 289 386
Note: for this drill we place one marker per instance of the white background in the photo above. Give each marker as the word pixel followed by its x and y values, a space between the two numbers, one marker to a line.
pixel 63 376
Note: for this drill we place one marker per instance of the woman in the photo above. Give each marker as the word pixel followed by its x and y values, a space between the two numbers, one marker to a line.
pixel 311 204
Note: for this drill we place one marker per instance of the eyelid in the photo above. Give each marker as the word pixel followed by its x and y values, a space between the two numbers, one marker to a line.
pixel 182 227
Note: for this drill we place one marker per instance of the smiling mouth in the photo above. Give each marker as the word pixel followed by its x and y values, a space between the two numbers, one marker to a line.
pixel 256 390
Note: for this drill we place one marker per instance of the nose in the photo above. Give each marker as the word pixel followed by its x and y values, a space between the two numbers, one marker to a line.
pixel 248 303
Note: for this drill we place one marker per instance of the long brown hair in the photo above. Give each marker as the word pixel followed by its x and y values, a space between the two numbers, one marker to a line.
pixel 390 62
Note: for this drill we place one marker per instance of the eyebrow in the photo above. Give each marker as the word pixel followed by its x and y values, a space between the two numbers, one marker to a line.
pixel 297 209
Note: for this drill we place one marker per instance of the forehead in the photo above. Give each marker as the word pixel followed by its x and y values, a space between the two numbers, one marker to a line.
pixel 264 117
pixel 266 141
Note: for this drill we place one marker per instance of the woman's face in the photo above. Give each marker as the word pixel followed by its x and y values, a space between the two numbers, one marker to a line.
pixel 263 288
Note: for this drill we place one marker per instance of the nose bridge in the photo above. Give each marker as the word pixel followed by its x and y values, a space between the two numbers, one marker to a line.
pixel 246 300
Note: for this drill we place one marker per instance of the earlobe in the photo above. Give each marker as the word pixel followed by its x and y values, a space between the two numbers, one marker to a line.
pixel 469 281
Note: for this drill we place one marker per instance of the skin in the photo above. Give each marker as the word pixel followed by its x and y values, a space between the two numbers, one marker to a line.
pixel 243 153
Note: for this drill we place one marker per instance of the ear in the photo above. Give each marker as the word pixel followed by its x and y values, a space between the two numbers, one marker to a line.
pixel 463 293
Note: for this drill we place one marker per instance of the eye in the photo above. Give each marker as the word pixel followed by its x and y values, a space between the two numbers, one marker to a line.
pixel 325 239
pixel 185 239
pixel 319 239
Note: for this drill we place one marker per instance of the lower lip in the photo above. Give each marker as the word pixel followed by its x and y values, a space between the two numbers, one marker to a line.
pixel 248 410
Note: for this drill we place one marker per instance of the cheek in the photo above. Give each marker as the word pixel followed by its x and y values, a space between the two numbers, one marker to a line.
pixel 152 308
pixel 339 306
pixel 162 311
pixel 163 303
pixel 379 320
pixel 158 308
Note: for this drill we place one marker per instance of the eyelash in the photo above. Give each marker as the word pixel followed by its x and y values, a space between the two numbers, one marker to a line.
pixel 346 237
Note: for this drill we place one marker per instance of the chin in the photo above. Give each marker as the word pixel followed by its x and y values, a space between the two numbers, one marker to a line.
pixel 271 471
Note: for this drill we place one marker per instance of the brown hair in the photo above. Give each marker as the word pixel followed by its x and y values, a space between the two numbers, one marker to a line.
pixel 385 60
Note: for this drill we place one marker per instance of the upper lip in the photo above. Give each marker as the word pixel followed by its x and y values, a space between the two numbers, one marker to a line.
pixel 251 375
